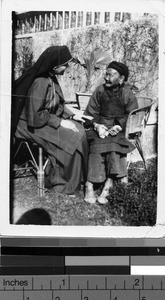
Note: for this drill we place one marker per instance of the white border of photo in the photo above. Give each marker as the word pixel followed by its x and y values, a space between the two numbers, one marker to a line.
pixel 6 229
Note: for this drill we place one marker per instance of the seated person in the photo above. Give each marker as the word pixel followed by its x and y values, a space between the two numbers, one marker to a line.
pixel 109 106
pixel 39 115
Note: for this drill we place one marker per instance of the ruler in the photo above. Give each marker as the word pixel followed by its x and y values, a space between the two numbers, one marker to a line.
pixel 82 287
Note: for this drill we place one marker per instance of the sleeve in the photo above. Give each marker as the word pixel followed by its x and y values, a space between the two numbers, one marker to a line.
pixel 131 103
pixel 67 113
pixel 37 115
pixel 93 106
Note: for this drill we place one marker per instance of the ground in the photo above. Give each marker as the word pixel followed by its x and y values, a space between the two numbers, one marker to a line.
pixel 134 205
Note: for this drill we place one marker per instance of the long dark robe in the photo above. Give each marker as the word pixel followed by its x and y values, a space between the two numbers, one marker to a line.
pixel 110 108
pixel 40 122
pixel 37 109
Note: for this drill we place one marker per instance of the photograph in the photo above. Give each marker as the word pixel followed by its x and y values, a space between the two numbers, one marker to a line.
pixel 83 134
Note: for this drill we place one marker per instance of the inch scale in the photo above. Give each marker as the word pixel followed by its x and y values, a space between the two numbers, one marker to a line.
pixel 82 287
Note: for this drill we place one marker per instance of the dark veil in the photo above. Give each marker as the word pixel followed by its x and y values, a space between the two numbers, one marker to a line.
pixel 51 57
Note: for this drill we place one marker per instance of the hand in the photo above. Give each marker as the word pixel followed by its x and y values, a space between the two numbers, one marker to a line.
pixel 69 125
pixel 114 130
pixel 101 129
pixel 79 116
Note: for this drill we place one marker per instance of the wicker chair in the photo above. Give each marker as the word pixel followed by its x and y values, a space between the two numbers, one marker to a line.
pixel 136 122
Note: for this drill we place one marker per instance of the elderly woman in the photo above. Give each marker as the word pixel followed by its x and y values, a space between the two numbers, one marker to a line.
pixel 109 105
pixel 39 115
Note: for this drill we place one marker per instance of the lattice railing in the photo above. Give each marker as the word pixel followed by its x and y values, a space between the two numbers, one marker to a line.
pixel 31 22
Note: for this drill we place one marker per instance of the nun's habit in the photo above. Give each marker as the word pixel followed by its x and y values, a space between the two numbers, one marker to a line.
pixel 37 110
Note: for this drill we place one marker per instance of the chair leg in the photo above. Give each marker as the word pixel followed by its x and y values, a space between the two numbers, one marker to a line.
pixel 40 174
pixel 139 147
pixel 128 160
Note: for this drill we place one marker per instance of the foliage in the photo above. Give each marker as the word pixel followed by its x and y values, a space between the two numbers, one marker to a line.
pixel 23 56
pixel 136 204
pixel 93 62
pixel 136 44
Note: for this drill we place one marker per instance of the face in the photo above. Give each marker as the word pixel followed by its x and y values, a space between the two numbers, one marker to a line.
pixel 59 70
pixel 113 78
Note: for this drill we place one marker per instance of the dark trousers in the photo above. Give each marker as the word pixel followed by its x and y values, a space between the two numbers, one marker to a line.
pixel 104 165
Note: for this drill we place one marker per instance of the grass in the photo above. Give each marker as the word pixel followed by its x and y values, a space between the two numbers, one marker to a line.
pixel 134 205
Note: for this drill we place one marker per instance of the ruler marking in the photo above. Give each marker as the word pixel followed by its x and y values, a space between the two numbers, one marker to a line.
pixel 125 287
pixel 142 282
pixel 87 285
pixel 32 284
pixel 105 283
pixel 69 281
pixel 23 293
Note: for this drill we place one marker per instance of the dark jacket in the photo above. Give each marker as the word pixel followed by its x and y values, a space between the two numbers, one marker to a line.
pixel 111 108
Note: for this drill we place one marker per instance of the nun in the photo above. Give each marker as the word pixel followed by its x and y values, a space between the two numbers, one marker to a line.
pixel 39 115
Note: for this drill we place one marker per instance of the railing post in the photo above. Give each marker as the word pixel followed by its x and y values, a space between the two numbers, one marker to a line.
pixel 76 19
pixel 51 15
pixel 112 17
pixel 102 17
pixel 84 18
pixel 35 23
pixel 69 19
pixel 63 19
pixel 45 22
pixel 92 18
pixel 39 27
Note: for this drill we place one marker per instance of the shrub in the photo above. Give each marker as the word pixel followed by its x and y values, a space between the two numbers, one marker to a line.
pixel 136 204
pixel 23 56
